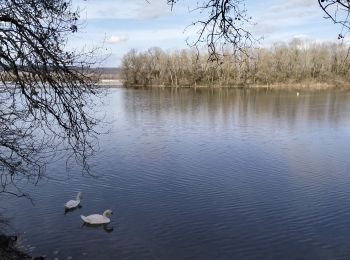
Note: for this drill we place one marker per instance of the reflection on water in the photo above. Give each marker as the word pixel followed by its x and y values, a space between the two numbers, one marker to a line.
pixel 204 174
pixel 66 211
pixel 106 227
pixel 228 106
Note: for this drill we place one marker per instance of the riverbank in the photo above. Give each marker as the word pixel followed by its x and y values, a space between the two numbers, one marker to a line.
pixel 9 250
pixel 311 86
pixel 110 82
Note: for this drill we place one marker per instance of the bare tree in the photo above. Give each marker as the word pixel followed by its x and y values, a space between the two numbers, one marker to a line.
pixel 301 63
pixel 338 11
pixel 225 24
pixel 46 92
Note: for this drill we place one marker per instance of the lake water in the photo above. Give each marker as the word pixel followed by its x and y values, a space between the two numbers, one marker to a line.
pixel 203 174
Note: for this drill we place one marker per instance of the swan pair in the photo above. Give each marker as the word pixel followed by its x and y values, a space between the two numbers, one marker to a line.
pixel 93 219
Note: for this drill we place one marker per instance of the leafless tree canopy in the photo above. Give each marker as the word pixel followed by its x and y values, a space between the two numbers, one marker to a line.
pixel 298 63
pixel 224 25
pixel 45 91
pixel 338 11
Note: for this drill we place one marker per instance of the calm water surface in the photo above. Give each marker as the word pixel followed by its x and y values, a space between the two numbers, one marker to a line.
pixel 203 174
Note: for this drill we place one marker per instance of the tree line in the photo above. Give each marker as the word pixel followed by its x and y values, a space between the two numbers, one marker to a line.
pixel 296 62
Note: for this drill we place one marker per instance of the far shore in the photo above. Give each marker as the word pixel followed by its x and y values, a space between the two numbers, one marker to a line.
pixel 110 82
pixel 292 86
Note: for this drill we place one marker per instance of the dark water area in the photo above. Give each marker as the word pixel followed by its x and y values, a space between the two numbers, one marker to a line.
pixel 203 174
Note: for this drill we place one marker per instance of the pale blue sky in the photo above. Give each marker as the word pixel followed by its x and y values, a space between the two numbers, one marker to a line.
pixel 119 25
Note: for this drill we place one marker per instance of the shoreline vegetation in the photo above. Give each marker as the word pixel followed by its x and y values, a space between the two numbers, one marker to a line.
pixel 300 65
pixel 281 86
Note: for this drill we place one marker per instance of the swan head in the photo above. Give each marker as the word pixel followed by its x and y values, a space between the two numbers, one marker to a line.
pixel 107 213
pixel 79 195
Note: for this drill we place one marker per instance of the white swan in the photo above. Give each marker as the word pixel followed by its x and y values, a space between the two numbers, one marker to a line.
pixel 73 203
pixel 97 218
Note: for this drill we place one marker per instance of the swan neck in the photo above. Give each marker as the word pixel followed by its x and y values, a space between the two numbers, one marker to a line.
pixel 106 214
pixel 78 196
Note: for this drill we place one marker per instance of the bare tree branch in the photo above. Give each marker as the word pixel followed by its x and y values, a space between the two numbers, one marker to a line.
pixel 224 25
pixel 338 11
pixel 46 92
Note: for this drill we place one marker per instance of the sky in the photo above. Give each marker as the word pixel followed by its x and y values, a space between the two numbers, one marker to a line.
pixel 120 25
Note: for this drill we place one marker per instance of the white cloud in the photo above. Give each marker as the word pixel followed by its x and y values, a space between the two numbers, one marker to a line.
pixel 286 18
pixel 116 39
pixel 292 5
pixel 346 40
pixel 301 36
pixel 152 9
pixel 264 28
pixel 123 9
